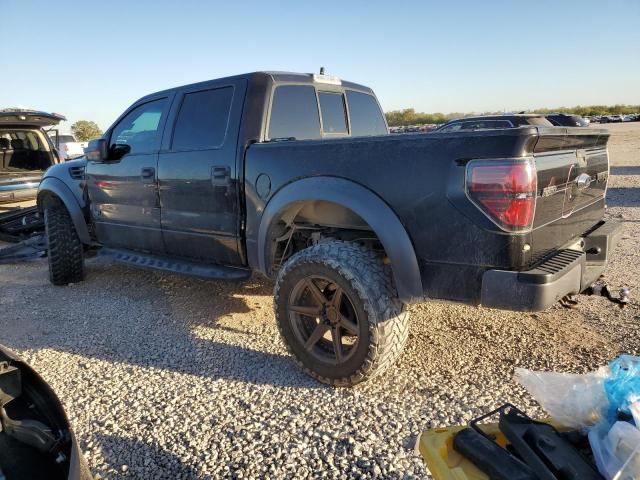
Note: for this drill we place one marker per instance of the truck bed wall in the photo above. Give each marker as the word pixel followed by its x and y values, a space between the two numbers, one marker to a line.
pixel 421 178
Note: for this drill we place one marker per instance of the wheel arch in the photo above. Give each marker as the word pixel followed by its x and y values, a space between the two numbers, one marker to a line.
pixel 364 204
pixel 52 188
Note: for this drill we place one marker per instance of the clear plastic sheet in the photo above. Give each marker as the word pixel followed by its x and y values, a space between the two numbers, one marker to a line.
pixel 575 401
pixel 616 451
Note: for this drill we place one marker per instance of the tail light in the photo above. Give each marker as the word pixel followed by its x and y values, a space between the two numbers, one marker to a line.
pixel 504 190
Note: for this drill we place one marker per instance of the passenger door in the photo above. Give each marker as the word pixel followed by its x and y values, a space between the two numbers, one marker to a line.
pixel 198 174
pixel 123 190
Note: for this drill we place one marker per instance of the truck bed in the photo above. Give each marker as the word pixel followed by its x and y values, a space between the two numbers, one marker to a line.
pixel 422 178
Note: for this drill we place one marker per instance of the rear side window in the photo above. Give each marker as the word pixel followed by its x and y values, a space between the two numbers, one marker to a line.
pixel 538 121
pixel 203 119
pixel 140 128
pixel 294 113
pixel 366 116
pixel 334 117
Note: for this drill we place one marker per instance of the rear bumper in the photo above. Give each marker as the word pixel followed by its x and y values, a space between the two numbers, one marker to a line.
pixel 567 272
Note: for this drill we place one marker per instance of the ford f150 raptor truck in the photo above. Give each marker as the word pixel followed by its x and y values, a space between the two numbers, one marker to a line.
pixel 295 176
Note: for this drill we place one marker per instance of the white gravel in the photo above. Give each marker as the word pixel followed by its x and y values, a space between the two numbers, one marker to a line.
pixel 170 377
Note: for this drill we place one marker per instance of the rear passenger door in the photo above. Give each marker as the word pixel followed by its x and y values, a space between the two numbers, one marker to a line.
pixel 198 174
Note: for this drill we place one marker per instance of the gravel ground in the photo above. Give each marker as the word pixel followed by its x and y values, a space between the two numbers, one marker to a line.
pixel 170 377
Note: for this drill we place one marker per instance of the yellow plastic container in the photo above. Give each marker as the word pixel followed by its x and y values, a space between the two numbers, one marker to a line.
pixel 444 463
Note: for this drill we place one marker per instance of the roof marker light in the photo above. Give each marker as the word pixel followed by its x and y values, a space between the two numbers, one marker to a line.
pixel 328 79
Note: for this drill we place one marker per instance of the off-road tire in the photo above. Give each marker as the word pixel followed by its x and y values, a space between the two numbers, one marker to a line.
pixel 64 249
pixel 371 291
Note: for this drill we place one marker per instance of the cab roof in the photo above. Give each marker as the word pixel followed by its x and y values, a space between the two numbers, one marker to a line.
pixel 276 77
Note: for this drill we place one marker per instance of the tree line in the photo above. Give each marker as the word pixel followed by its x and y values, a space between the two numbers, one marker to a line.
pixel 409 116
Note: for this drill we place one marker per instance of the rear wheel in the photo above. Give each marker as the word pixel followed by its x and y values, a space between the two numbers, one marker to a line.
pixel 64 249
pixel 338 312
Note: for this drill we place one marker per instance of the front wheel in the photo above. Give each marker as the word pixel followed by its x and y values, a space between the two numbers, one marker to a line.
pixel 338 312
pixel 64 249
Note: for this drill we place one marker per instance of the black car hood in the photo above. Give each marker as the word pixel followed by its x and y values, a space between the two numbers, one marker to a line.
pixel 25 388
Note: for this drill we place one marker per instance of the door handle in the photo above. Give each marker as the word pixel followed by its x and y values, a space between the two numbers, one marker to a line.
pixel 220 176
pixel 148 174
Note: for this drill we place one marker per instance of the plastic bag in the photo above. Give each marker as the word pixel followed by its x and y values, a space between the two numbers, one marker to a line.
pixel 622 385
pixel 575 401
pixel 616 451
pixel 635 411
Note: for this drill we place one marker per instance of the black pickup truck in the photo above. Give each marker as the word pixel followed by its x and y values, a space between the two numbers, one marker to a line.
pixel 295 176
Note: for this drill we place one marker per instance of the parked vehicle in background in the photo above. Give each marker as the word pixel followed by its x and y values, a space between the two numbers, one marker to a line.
pixel 612 119
pixel 25 152
pixel 484 122
pixel 68 147
pixel 567 120
pixel 295 176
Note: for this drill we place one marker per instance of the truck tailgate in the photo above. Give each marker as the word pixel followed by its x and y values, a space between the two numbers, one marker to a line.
pixel 573 170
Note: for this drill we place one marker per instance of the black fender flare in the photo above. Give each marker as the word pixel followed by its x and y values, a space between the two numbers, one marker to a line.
pixel 56 187
pixel 371 208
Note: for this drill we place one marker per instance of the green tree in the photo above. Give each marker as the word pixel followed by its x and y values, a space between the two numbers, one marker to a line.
pixel 85 130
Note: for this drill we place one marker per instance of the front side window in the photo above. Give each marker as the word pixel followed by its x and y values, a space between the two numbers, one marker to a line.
pixel 366 116
pixel 334 117
pixel 294 113
pixel 454 127
pixel 486 124
pixel 140 128
pixel 203 119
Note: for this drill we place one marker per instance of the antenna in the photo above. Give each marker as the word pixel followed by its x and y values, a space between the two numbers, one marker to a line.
pixel 321 70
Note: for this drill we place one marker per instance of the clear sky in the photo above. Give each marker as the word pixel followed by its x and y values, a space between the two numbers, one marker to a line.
pixel 91 59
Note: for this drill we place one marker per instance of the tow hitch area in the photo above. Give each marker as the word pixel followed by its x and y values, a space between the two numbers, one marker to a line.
pixel 602 289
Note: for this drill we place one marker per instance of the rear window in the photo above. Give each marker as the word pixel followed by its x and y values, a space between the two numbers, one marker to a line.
pixel 334 117
pixel 65 138
pixel 203 118
pixel 294 113
pixel 366 116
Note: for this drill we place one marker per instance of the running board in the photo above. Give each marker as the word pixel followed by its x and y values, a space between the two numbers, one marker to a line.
pixel 184 267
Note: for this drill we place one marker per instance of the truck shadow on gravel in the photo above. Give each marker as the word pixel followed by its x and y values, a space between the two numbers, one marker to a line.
pixel 625 170
pixel 623 197
pixel 134 458
pixel 161 321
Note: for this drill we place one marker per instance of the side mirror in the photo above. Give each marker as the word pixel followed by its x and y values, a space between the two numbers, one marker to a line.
pixel 96 151
pixel 119 150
